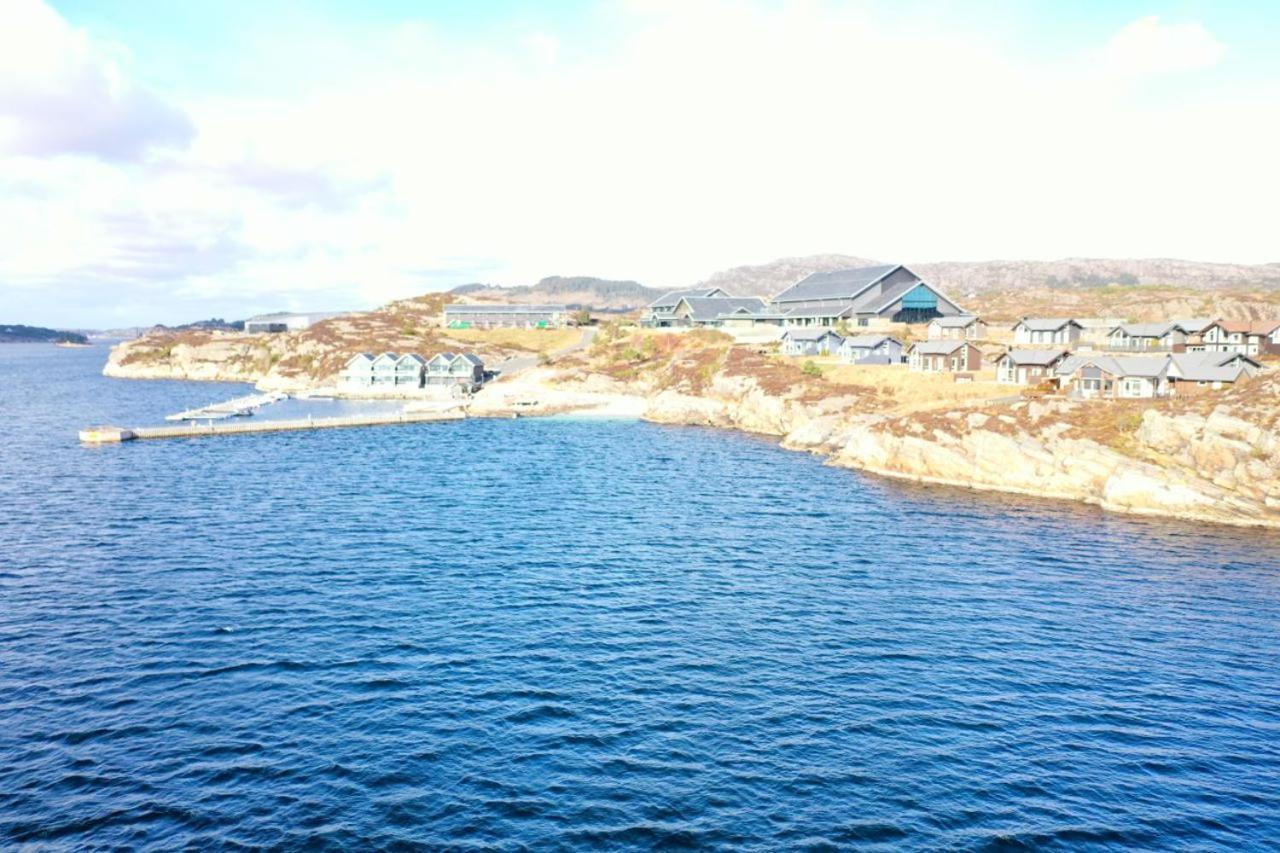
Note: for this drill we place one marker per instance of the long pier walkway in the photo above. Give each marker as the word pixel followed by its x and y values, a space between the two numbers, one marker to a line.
pixel 105 435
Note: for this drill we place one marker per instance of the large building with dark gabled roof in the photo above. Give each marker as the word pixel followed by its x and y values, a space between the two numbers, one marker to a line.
pixel 860 296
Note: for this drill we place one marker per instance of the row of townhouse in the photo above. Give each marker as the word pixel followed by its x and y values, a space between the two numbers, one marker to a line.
pixel 864 297
pixel 854 349
pixel 1191 335
pixel 1106 375
pixel 394 371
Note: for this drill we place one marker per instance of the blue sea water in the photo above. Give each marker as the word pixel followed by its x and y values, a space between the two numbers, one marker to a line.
pixel 544 634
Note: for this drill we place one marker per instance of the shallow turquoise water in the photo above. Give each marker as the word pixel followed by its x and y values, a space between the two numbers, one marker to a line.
pixel 598 634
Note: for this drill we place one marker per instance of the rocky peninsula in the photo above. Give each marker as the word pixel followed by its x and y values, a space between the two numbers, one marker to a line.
pixel 1213 458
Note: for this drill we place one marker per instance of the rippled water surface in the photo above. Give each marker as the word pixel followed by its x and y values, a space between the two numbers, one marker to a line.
pixel 598 634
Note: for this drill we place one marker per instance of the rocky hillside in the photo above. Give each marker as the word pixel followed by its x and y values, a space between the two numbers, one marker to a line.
pixel 766 280
pixel 977 276
pixel 1135 303
pixel 974 277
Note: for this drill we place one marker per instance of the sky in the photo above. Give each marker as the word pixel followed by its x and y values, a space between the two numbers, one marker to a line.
pixel 166 162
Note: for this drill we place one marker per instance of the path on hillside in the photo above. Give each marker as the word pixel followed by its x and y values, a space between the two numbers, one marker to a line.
pixel 512 366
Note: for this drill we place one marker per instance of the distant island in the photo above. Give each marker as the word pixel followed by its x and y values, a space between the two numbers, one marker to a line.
pixel 38 335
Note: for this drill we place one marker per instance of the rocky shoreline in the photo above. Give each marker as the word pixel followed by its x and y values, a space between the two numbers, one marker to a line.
pixel 1213 467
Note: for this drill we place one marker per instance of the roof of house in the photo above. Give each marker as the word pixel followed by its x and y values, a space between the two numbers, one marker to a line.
pixel 869 341
pixel 412 356
pixel 1117 365
pixel 872 302
pixel 471 357
pixel 494 308
pixel 835 284
pixel 707 308
pixel 1252 327
pixel 672 298
pixel 447 356
pixel 756 315
pixel 958 321
pixel 1145 330
pixel 1045 324
pixel 809 333
pixel 1210 366
pixel 821 312
pixel 938 347
pixel 367 356
pixel 388 355
pixel 1195 326
pixel 1034 357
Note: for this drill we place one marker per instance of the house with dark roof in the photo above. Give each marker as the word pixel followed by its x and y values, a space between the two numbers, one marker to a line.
pixel 944 357
pixel 1115 376
pixel 957 327
pixel 861 297
pixel 1028 366
pixel 871 349
pixel 659 312
pixel 810 341
pixel 486 315
pixel 1062 331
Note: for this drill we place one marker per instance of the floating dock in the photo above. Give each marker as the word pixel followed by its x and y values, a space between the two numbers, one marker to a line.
pixel 238 408
pixel 114 435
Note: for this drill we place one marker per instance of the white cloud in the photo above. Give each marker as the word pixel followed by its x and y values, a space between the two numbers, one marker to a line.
pixel 62 94
pixel 699 135
pixel 1148 46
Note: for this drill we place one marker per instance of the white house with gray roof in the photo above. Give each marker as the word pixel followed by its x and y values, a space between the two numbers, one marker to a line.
pixel 358 371
pixel 1028 366
pixel 1146 337
pixel 862 296
pixel 810 341
pixel 871 349
pixel 957 327
pixel 1062 331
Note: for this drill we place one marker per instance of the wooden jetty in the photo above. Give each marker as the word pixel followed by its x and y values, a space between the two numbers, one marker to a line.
pixel 112 435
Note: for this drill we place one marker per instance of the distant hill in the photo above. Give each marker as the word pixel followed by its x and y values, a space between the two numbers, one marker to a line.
pixel 36 334
pixel 214 324
pixel 776 276
pixel 574 291
pixel 962 277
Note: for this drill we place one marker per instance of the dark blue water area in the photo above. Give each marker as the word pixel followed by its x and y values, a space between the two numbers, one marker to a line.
pixel 549 634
